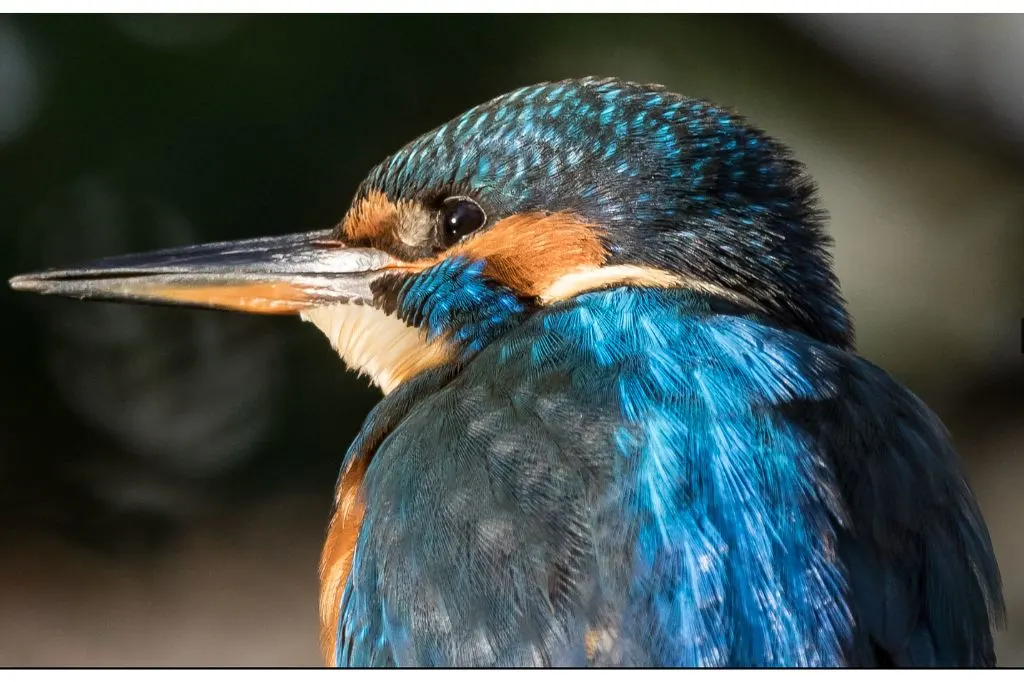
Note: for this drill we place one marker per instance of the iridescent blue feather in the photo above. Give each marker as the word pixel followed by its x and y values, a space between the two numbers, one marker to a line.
pixel 651 465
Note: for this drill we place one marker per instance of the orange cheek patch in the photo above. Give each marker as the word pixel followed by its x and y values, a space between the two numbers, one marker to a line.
pixel 527 252
pixel 336 558
pixel 530 251
pixel 370 220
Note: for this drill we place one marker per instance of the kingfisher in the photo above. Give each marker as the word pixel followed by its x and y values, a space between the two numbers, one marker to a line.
pixel 624 422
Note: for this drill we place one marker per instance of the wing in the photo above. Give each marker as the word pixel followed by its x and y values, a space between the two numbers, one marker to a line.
pixel 924 585
pixel 636 480
pixel 476 547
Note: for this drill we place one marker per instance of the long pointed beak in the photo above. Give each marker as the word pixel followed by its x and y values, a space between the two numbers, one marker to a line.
pixel 266 275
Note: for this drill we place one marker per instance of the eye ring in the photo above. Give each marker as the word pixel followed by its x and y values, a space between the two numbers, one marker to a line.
pixel 460 216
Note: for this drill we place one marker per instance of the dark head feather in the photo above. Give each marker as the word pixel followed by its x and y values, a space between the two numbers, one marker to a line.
pixel 675 183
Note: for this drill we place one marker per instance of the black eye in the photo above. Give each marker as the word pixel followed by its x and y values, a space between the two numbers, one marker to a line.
pixel 459 217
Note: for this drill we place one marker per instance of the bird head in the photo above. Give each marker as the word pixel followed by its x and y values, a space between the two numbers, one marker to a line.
pixel 523 202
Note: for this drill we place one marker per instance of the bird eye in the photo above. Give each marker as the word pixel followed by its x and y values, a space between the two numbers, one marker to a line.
pixel 459 217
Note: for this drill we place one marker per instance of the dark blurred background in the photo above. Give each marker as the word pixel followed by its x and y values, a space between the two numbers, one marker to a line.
pixel 165 475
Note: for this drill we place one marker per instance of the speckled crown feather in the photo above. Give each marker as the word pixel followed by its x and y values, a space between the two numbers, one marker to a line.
pixel 678 183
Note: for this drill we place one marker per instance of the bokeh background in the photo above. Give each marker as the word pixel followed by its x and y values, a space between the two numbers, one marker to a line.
pixel 165 475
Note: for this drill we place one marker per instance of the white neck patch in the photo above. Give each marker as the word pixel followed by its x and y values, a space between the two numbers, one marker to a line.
pixel 376 344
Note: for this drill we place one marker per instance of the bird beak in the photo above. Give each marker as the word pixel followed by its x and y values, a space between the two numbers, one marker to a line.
pixel 266 275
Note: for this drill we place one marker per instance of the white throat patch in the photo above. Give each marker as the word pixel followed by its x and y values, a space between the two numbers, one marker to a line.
pixel 378 345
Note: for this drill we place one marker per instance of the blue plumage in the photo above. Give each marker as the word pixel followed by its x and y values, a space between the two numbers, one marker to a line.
pixel 725 502
pixel 649 464
pixel 454 298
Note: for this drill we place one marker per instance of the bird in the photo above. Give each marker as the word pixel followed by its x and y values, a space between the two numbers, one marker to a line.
pixel 624 421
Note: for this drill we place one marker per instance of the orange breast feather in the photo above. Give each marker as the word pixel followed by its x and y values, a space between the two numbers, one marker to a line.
pixel 336 558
